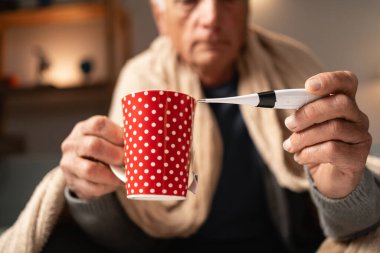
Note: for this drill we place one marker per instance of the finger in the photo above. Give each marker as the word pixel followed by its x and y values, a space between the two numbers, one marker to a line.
pixel 92 171
pixel 338 130
pixel 102 127
pixel 324 84
pixel 87 190
pixel 324 109
pixel 97 149
pixel 339 154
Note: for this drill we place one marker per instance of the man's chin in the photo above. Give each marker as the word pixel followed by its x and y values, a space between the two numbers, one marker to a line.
pixel 211 59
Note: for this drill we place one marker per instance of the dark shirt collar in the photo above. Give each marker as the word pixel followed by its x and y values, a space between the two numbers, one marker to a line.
pixel 228 88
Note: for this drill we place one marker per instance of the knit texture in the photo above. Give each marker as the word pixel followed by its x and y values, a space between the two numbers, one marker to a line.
pixel 369 243
pixel 268 61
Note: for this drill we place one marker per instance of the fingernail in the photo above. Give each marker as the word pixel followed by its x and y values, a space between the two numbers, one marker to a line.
pixel 296 158
pixel 290 122
pixel 314 84
pixel 287 144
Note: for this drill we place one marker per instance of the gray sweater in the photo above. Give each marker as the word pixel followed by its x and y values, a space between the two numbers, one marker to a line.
pixel 353 215
pixel 233 218
pixel 104 220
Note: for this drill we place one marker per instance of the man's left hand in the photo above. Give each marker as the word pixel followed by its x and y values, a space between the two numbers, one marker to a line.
pixel 330 135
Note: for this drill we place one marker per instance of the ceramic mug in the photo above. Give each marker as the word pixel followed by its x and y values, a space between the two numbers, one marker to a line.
pixel 157 144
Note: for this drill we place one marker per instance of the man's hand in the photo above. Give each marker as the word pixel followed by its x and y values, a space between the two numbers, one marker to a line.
pixel 86 153
pixel 330 135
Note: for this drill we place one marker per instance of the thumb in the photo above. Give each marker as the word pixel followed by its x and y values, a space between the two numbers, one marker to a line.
pixel 324 84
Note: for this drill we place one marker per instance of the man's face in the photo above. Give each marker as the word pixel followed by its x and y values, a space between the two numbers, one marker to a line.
pixel 206 33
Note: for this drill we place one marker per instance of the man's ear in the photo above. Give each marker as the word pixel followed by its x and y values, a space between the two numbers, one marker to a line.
pixel 159 17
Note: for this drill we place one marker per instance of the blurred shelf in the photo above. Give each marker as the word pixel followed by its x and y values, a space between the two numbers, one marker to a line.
pixel 38 119
pixel 42 117
pixel 111 12
pixel 46 98
pixel 54 14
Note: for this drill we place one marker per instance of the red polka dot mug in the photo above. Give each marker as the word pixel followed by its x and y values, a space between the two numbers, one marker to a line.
pixel 157 144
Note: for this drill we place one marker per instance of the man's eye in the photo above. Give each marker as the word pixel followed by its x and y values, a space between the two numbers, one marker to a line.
pixel 186 4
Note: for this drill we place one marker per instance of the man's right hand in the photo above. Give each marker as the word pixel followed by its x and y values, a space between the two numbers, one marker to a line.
pixel 86 153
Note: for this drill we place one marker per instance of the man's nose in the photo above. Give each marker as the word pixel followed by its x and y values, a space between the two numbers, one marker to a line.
pixel 209 12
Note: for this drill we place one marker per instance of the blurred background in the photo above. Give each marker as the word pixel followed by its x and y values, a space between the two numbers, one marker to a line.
pixel 59 61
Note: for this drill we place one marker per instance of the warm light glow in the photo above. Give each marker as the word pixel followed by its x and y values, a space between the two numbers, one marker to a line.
pixel 61 78
pixel 65 46
pixel 260 5
pixel 64 72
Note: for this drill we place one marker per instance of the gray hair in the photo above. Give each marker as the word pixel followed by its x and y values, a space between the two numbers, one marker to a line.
pixel 160 4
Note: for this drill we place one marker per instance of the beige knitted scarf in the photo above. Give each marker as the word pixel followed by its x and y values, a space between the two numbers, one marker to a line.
pixel 268 61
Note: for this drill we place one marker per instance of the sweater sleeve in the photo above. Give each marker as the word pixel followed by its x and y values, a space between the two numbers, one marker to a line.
pixel 104 221
pixel 353 215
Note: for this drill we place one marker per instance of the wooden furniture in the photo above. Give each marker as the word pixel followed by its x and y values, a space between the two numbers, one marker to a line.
pixel 41 103
pixel 116 35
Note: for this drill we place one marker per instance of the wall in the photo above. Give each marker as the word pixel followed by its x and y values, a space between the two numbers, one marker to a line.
pixel 343 34
pixel 143 27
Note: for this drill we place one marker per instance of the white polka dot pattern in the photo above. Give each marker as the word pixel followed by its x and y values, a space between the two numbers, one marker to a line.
pixel 157 142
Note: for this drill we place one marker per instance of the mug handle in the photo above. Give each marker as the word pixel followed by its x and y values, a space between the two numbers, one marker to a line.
pixel 118 171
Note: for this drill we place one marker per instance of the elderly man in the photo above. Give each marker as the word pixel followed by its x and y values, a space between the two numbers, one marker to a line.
pixel 252 194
